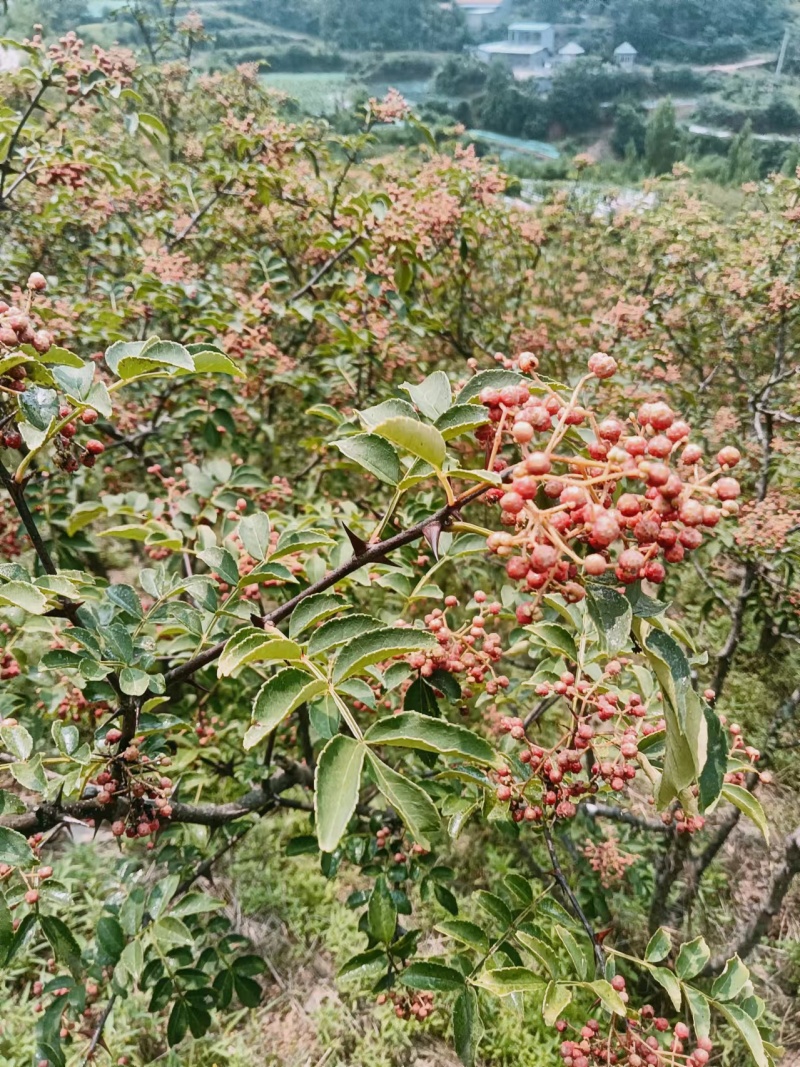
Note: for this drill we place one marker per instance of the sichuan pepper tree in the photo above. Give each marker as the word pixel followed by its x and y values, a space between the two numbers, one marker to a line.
pixel 343 565
pixel 584 506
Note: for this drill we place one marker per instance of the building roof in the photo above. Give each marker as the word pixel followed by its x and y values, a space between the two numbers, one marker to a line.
pixel 625 49
pixel 530 27
pixel 511 48
pixel 572 48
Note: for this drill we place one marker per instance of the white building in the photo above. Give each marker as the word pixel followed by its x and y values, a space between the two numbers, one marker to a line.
pixel 533 33
pixel 483 14
pixel 530 46
pixel 625 55
pixel 570 52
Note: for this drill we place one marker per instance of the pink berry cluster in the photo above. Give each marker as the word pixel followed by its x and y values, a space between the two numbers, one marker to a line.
pixel 17 327
pixel 134 778
pixel 469 649
pixel 409 1005
pixel 602 723
pixel 630 500
pixel 639 1044
pixel 9 668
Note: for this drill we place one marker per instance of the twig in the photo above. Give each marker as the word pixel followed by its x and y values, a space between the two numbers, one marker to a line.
pixel 323 270
pixel 374 554
pixel 558 874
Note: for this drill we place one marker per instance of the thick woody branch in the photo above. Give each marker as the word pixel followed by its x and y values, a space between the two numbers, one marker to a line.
pixel 759 925
pixel 256 801
pixel 615 814
pixel 375 553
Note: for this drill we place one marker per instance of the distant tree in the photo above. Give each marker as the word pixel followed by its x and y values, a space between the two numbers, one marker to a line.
pixel 742 162
pixel 461 76
pixel 781 115
pixel 506 108
pixel 364 24
pixel 663 142
pixel 695 30
pixel 630 129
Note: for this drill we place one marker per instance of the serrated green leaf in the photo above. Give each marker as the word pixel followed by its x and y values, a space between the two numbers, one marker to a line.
pixel 556 998
pixel 250 645
pixel 411 803
pixel 467 933
pixel 382 912
pixel 748 805
pixel 17 741
pixel 556 638
pixel 170 930
pixel 467 1026
pixel 415 437
pixel 659 946
pixel 609 997
pixel 364 964
pixel 339 631
pixel 701 1013
pixel 377 646
pixel 412 730
pixel 461 419
pixel 487 379
pixel 374 454
pixel 692 958
pixel 277 698
pixel 669 983
pixel 433 396
pixel 507 980
pixel 23 595
pixel 254 531
pixel 65 948
pixel 337 782
pixel 14 848
pixel 314 609
pixel 748 1031
pixel 432 976
pixel 732 981
pixel 612 615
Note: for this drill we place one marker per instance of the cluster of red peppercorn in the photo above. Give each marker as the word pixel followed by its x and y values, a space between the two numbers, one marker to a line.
pixel 635 1046
pixel 70 454
pixel 74 705
pixel 468 649
pixel 602 727
pixel 132 776
pixel 409 1005
pixel 9 668
pixel 17 327
pixel 9 532
pixel 638 499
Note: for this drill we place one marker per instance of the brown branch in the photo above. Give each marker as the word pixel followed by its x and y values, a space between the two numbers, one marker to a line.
pixel 323 270
pixel 609 811
pixel 6 166
pixel 566 888
pixel 771 905
pixel 46 815
pixel 374 554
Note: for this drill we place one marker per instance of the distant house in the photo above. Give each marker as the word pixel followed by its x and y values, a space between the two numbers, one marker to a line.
pixel 625 55
pixel 570 52
pixel 483 14
pixel 530 46
pixel 541 34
